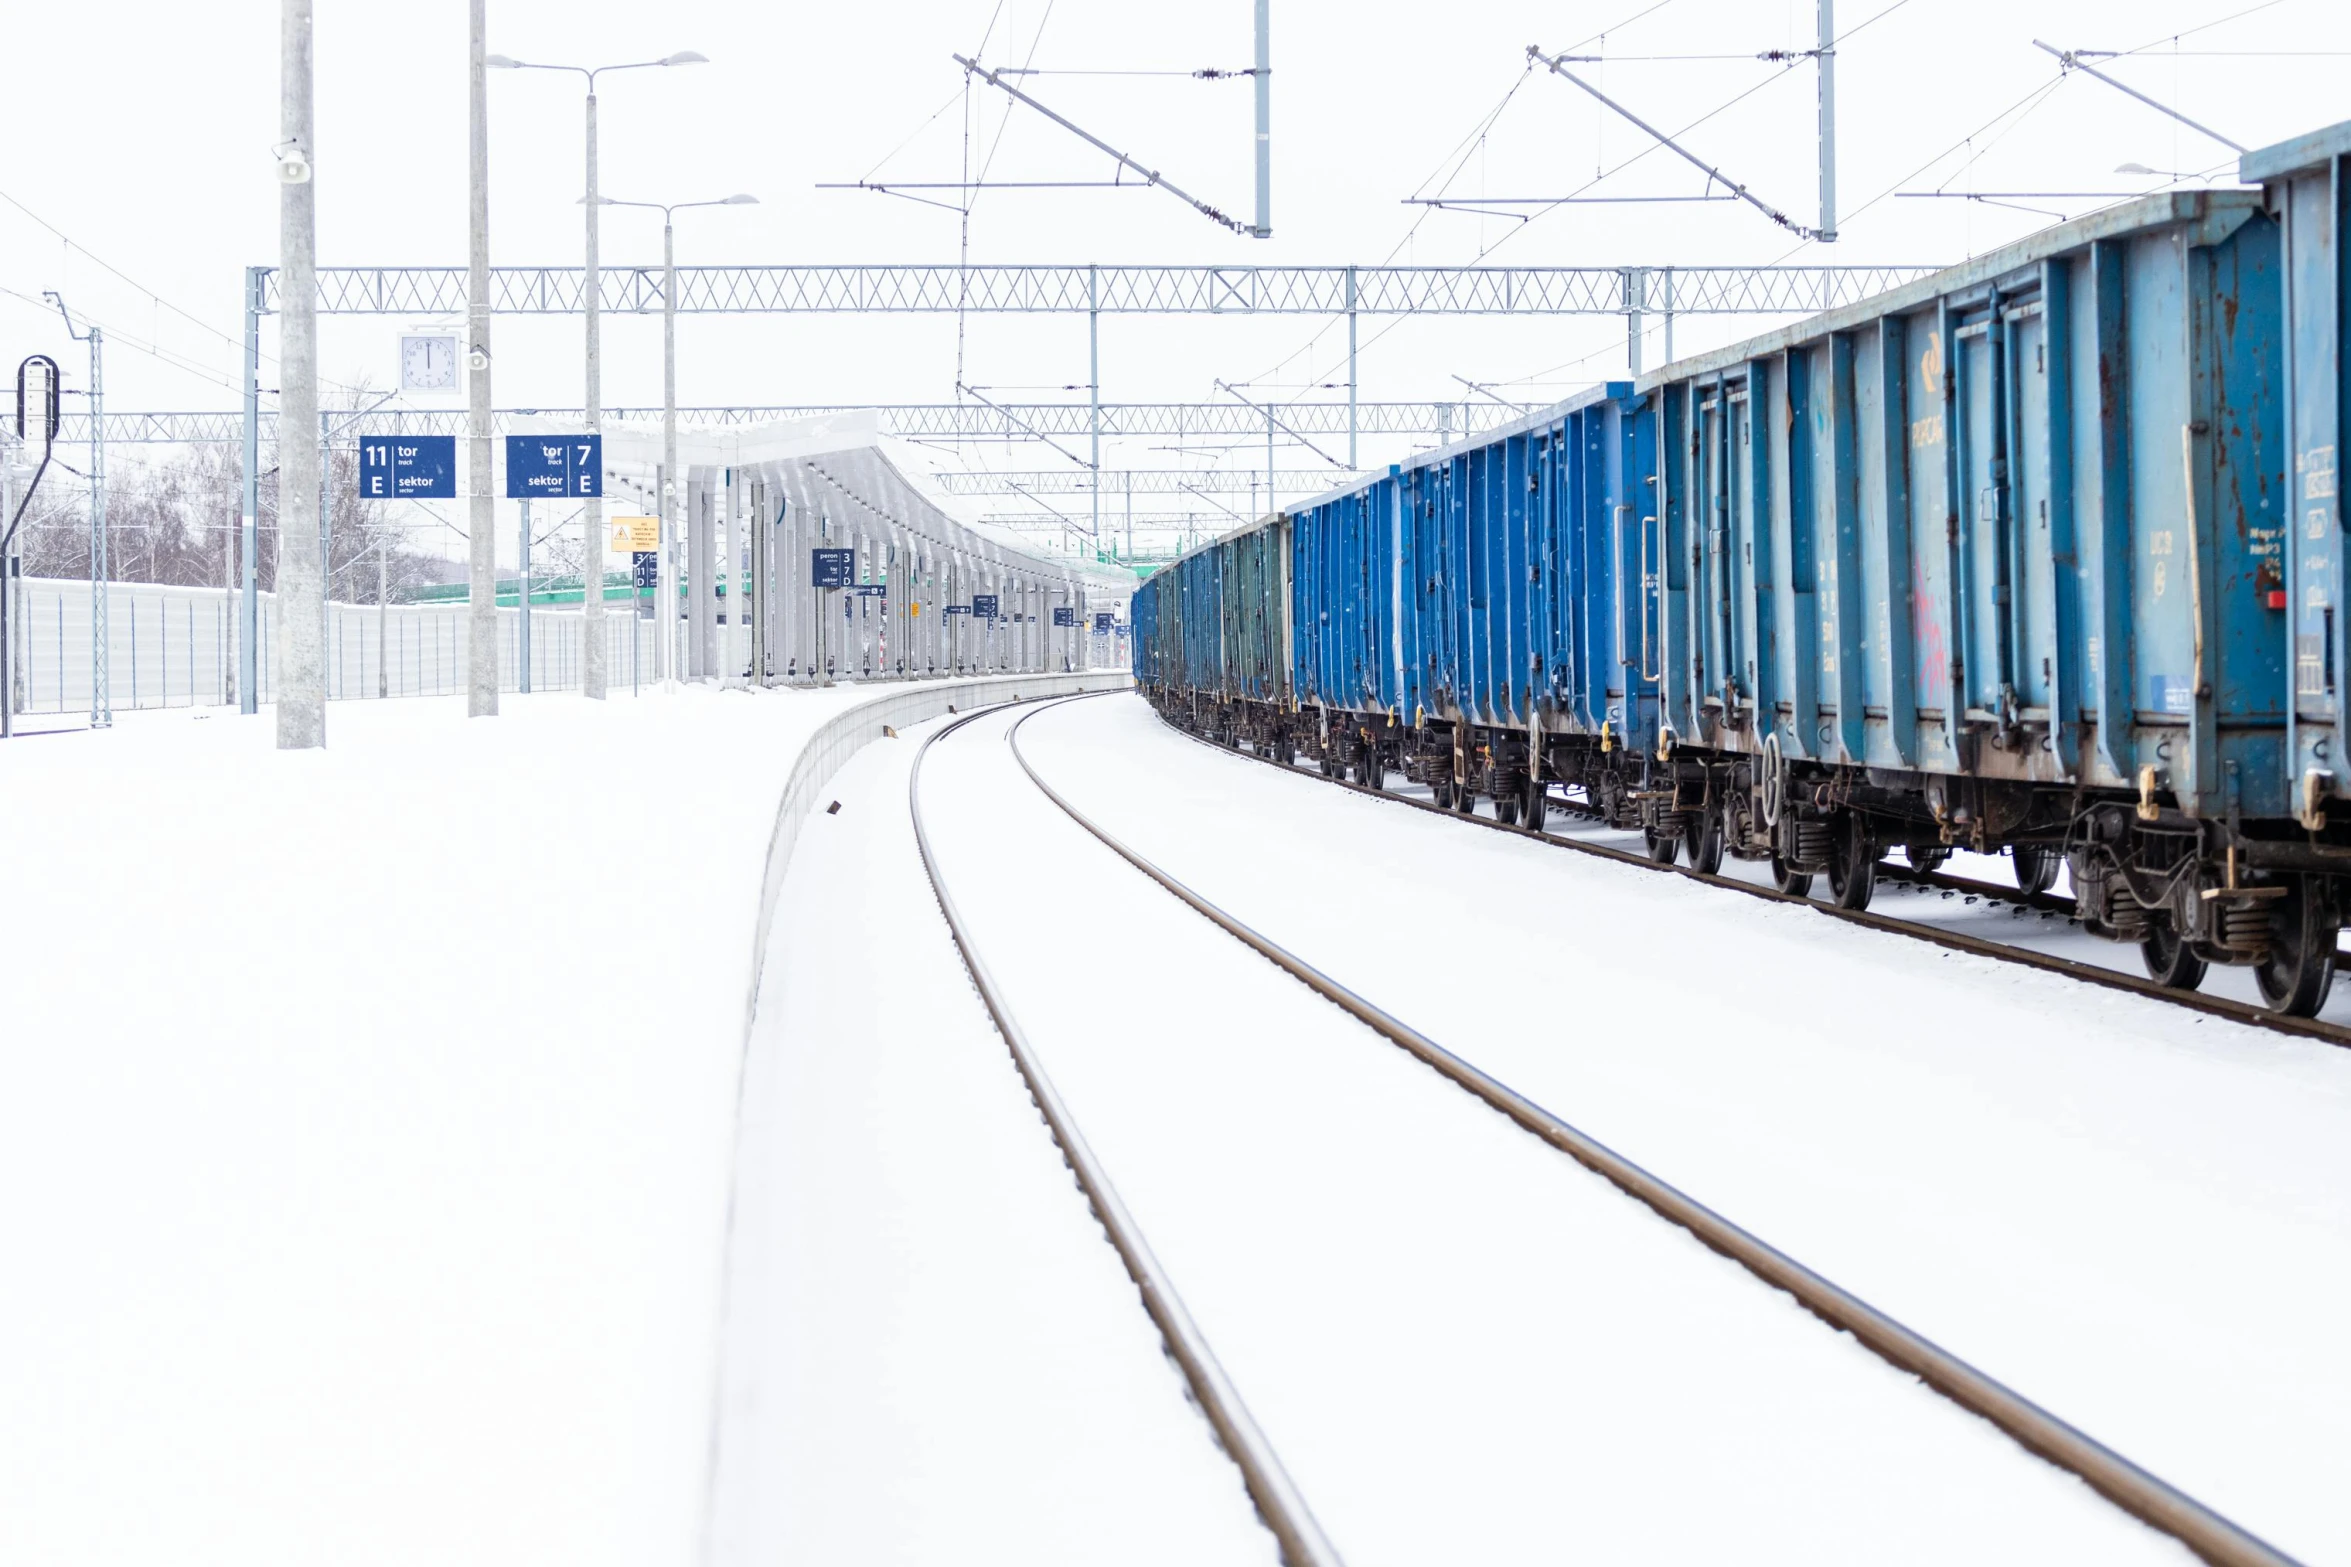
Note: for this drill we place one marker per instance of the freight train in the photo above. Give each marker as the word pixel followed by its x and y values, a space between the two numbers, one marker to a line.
pixel 2041 555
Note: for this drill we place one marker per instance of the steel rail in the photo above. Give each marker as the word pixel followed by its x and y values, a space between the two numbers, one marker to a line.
pixel 2145 1496
pixel 1277 1499
pixel 2072 968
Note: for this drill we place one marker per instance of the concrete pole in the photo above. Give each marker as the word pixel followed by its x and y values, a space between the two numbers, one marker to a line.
pixel 301 649
pixel 228 604
pixel 755 600
pixel 249 607
pixel 1636 300
pixel 522 601
pixel 383 614
pixel 730 584
pixel 1828 121
pixel 1264 81
pixel 665 595
pixel 1270 507
pixel 481 592
pixel 592 509
pixel 1094 386
pixel 101 632
pixel 1351 421
pixel 10 675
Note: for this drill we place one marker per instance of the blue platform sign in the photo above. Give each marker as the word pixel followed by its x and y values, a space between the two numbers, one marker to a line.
pixel 408 467
pixel 984 605
pixel 873 590
pixel 1063 615
pixel 554 467
pixel 1102 622
pixel 832 568
pixel 957 609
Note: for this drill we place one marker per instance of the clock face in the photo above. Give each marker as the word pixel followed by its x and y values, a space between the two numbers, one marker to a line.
pixel 428 363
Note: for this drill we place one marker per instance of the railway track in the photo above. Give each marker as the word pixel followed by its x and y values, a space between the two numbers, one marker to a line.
pixel 1277 1499
pixel 2089 973
pixel 2136 1491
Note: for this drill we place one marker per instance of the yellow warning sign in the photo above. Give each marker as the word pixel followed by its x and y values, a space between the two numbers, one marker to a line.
pixel 636 533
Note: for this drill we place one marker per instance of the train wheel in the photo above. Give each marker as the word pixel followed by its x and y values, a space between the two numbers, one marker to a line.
pixel 1465 800
pixel 1925 859
pixel 1506 809
pixel 1662 845
pixel 1702 836
pixel 2036 867
pixel 1538 804
pixel 2170 961
pixel 1795 883
pixel 2300 968
pixel 1441 792
pixel 1853 868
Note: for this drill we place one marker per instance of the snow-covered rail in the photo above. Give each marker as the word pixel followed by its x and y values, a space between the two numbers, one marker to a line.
pixel 2135 1490
pixel 1278 1501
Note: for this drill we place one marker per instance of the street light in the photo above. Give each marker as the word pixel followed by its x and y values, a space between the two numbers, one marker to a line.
pixel 592 512
pixel 665 589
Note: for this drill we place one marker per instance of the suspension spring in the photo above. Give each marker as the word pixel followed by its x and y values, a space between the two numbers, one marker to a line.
pixel 1815 845
pixel 2245 930
pixel 2124 914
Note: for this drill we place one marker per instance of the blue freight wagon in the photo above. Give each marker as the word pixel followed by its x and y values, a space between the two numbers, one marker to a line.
pixel 1996 560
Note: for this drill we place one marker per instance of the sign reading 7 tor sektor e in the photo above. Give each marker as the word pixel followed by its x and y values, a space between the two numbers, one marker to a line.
pixel 554 467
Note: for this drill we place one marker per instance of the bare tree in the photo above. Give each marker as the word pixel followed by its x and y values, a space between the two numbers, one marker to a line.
pixel 178 519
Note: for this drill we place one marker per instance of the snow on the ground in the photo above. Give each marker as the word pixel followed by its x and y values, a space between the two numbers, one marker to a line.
pixel 2137 1216
pixel 1464 1346
pixel 934 1354
pixel 364 1123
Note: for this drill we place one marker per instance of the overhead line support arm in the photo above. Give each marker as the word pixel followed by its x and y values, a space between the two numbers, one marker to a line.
pixel 1152 176
pixel 2071 60
pixel 1280 424
pixel 1557 68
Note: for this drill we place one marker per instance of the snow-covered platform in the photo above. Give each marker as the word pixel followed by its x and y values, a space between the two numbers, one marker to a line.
pixel 366 1118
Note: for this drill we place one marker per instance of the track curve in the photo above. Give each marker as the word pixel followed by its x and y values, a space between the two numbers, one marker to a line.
pixel 1278 1500
pixel 2136 1491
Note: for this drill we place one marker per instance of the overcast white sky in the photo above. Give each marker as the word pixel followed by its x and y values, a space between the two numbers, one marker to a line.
pixel 143 132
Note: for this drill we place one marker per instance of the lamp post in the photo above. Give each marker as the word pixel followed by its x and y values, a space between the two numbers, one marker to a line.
pixel 665 593
pixel 592 510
